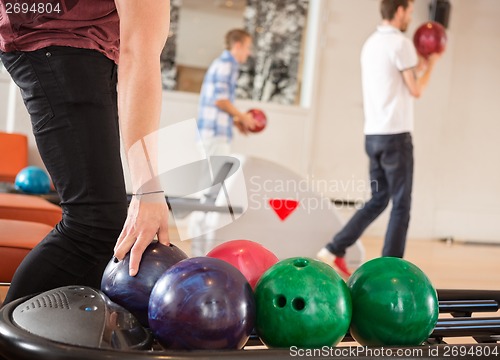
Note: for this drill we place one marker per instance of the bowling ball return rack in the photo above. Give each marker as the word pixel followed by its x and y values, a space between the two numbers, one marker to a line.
pixel 16 342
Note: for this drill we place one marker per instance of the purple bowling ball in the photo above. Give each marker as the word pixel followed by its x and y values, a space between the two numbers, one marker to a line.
pixel 132 292
pixel 202 303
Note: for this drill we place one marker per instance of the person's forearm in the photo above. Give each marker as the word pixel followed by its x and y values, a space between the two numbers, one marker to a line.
pixel 144 27
pixel 140 96
pixel 417 83
pixel 227 106
pixel 423 80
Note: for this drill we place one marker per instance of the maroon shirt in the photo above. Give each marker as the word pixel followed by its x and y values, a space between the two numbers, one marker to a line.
pixel 27 25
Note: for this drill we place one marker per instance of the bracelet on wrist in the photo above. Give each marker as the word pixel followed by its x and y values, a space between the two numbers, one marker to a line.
pixel 148 193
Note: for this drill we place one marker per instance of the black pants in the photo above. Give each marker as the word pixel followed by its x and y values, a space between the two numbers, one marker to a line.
pixel 391 178
pixel 71 97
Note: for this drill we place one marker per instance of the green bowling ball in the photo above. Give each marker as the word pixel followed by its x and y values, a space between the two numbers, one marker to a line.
pixel 393 303
pixel 302 302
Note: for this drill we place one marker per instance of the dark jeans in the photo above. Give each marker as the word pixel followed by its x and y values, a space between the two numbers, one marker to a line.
pixel 391 177
pixel 71 97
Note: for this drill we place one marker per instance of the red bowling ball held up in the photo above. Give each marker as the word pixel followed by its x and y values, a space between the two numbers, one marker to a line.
pixel 261 119
pixel 430 38
pixel 251 258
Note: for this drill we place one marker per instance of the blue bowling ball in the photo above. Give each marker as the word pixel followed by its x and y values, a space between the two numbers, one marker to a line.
pixel 32 180
pixel 202 303
pixel 132 292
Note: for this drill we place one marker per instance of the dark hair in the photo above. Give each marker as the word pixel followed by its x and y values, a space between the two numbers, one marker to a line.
pixel 388 8
pixel 235 36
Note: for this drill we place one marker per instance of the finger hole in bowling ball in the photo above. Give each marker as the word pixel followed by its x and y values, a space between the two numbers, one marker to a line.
pixel 298 304
pixel 300 263
pixel 280 301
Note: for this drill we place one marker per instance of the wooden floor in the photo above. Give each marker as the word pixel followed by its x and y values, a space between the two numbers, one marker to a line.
pixel 453 265
pixel 449 265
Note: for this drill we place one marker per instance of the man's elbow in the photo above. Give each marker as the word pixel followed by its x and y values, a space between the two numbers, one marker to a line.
pixel 416 93
pixel 221 103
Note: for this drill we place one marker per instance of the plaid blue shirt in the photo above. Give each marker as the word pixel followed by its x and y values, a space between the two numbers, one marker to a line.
pixel 219 83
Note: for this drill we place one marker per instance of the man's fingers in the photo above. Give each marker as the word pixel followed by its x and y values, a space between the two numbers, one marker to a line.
pixel 163 236
pixel 136 252
pixel 124 245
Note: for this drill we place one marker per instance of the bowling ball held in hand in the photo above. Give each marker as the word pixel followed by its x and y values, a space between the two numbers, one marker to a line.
pixel 260 118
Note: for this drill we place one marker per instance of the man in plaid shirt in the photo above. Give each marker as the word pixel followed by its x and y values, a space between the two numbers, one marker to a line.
pixel 217 114
pixel 216 118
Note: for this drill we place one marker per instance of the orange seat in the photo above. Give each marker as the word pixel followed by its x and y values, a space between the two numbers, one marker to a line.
pixel 29 208
pixel 17 238
pixel 13 155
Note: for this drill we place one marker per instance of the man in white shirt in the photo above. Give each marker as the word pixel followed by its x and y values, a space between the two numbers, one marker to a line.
pixel 390 79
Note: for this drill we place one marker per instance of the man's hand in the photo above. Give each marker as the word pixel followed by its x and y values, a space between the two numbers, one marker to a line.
pixel 245 123
pixel 433 58
pixel 416 82
pixel 147 217
pixel 425 62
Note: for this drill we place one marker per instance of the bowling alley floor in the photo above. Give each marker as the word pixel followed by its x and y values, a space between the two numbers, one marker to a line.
pixel 449 265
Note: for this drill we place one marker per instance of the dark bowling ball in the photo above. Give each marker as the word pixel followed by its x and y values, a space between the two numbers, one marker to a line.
pixel 430 38
pixel 132 292
pixel 202 303
pixel 261 119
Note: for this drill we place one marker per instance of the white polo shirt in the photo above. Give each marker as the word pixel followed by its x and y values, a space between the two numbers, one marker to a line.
pixel 388 104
